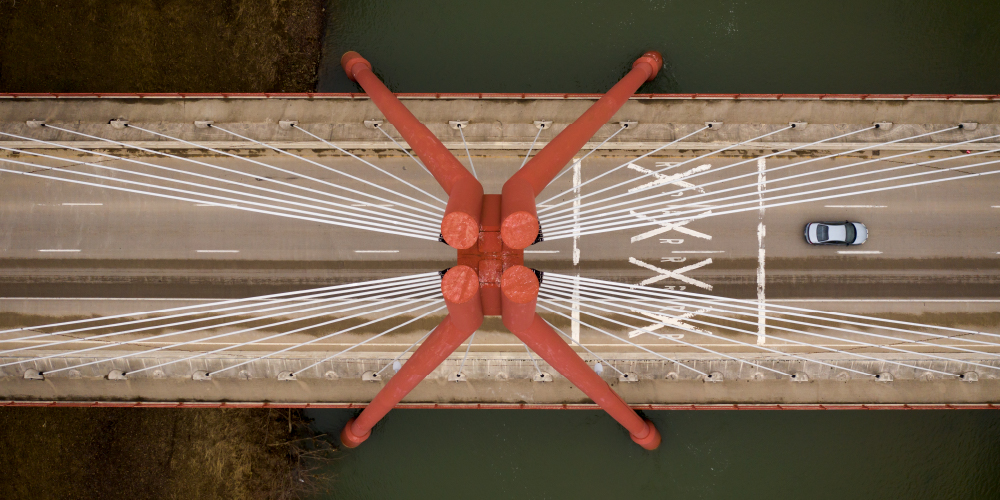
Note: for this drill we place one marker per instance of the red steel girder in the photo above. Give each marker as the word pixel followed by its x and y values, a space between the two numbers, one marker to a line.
pixel 490 233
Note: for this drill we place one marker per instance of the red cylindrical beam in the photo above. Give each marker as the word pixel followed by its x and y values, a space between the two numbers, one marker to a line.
pixel 519 293
pixel 518 211
pixel 460 287
pixel 542 339
pixel 460 226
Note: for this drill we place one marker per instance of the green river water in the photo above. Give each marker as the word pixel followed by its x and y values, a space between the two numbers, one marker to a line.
pixel 779 46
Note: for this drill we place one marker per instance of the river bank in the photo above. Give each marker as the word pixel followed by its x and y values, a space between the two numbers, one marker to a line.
pixel 160 45
pixel 159 453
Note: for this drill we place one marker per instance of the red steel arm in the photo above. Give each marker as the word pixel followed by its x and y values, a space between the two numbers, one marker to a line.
pixel 520 219
pixel 460 287
pixel 460 226
pixel 520 293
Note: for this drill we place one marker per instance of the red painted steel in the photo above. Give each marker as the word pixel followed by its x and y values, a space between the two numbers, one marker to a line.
pixel 460 226
pixel 542 339
pixel 519 226
pixel 490 233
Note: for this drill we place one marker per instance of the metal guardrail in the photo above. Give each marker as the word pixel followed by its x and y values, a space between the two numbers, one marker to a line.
pixel 498 95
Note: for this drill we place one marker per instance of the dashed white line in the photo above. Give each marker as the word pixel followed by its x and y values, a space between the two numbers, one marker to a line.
pixel 541 251
pixel 215 205
pixel 82 204
pixel 376 251
pixel 859 252
pixel 856 206
pixel 59 250
pixel 218 251
pixel 698 251
pixel 371 205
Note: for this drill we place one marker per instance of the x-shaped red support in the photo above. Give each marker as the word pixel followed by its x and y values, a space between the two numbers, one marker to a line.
pixel 490 233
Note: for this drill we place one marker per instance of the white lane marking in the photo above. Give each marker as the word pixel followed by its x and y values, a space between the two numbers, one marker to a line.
pixel 669 226
pixel 698 251
pixel 83 204
pixel 58 250
pixel 214 205
pixel 856 206
pixel 995 206
pixel 663 321
pixel 541 251
pixel 217 251
pixel 859 252
pixel 761 232
pixel 376 251
pixel 674 179
pixel 677 274
pixel 371 204
pixel 574 324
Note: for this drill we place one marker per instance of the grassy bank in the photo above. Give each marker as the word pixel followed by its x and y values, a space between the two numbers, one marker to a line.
pixel 99 453
pixel 159 45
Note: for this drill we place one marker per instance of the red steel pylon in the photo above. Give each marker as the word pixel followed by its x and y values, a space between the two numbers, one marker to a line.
pixel 490 233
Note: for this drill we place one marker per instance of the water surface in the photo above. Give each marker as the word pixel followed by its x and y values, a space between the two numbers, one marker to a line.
pixel 779 46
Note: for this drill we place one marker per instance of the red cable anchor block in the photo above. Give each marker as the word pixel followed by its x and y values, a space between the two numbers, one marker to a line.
pixel 490 233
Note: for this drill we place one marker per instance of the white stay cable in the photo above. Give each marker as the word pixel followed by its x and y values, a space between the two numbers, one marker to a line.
pixel 751 305
pixel 606 362
pixel 193 200
pixel 467 153
pixel 633 344
pixel 630 296
pixel 745 344
pixel 380 219
pixel 196 162
pixel 324 304
pixel 791 330
pixel 528 154
pixel 301 329
pixel 685 162
pixel 766 204
pixel 213 337
pixel 359 344
pixel 325 167
pixel 699 174
pixel 619 167
pixel 297 174
pixel 711 202
pixel 304 293
pixel 565 169
pixel 400 146
pixel 753 174
pixel 324 337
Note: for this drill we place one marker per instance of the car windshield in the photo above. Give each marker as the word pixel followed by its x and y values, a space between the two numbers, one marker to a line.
pixel 822 233
pixel 851 233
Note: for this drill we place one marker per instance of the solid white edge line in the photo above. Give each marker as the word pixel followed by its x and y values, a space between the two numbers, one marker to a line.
pixel 856 206
pixel 217 251
pixel 859 252
pixel 698 251
pixel 541 251
pixel 58 250
pixel 82 204
pixel 376 251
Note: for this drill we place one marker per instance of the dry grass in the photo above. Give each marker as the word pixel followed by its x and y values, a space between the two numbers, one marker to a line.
pixel 159 45
pixel 161 453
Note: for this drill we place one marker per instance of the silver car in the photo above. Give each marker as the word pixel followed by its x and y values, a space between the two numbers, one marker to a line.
pixel 836 233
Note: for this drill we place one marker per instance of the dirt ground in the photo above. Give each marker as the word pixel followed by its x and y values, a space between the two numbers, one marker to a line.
pixel 97 453
pixel 160 45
